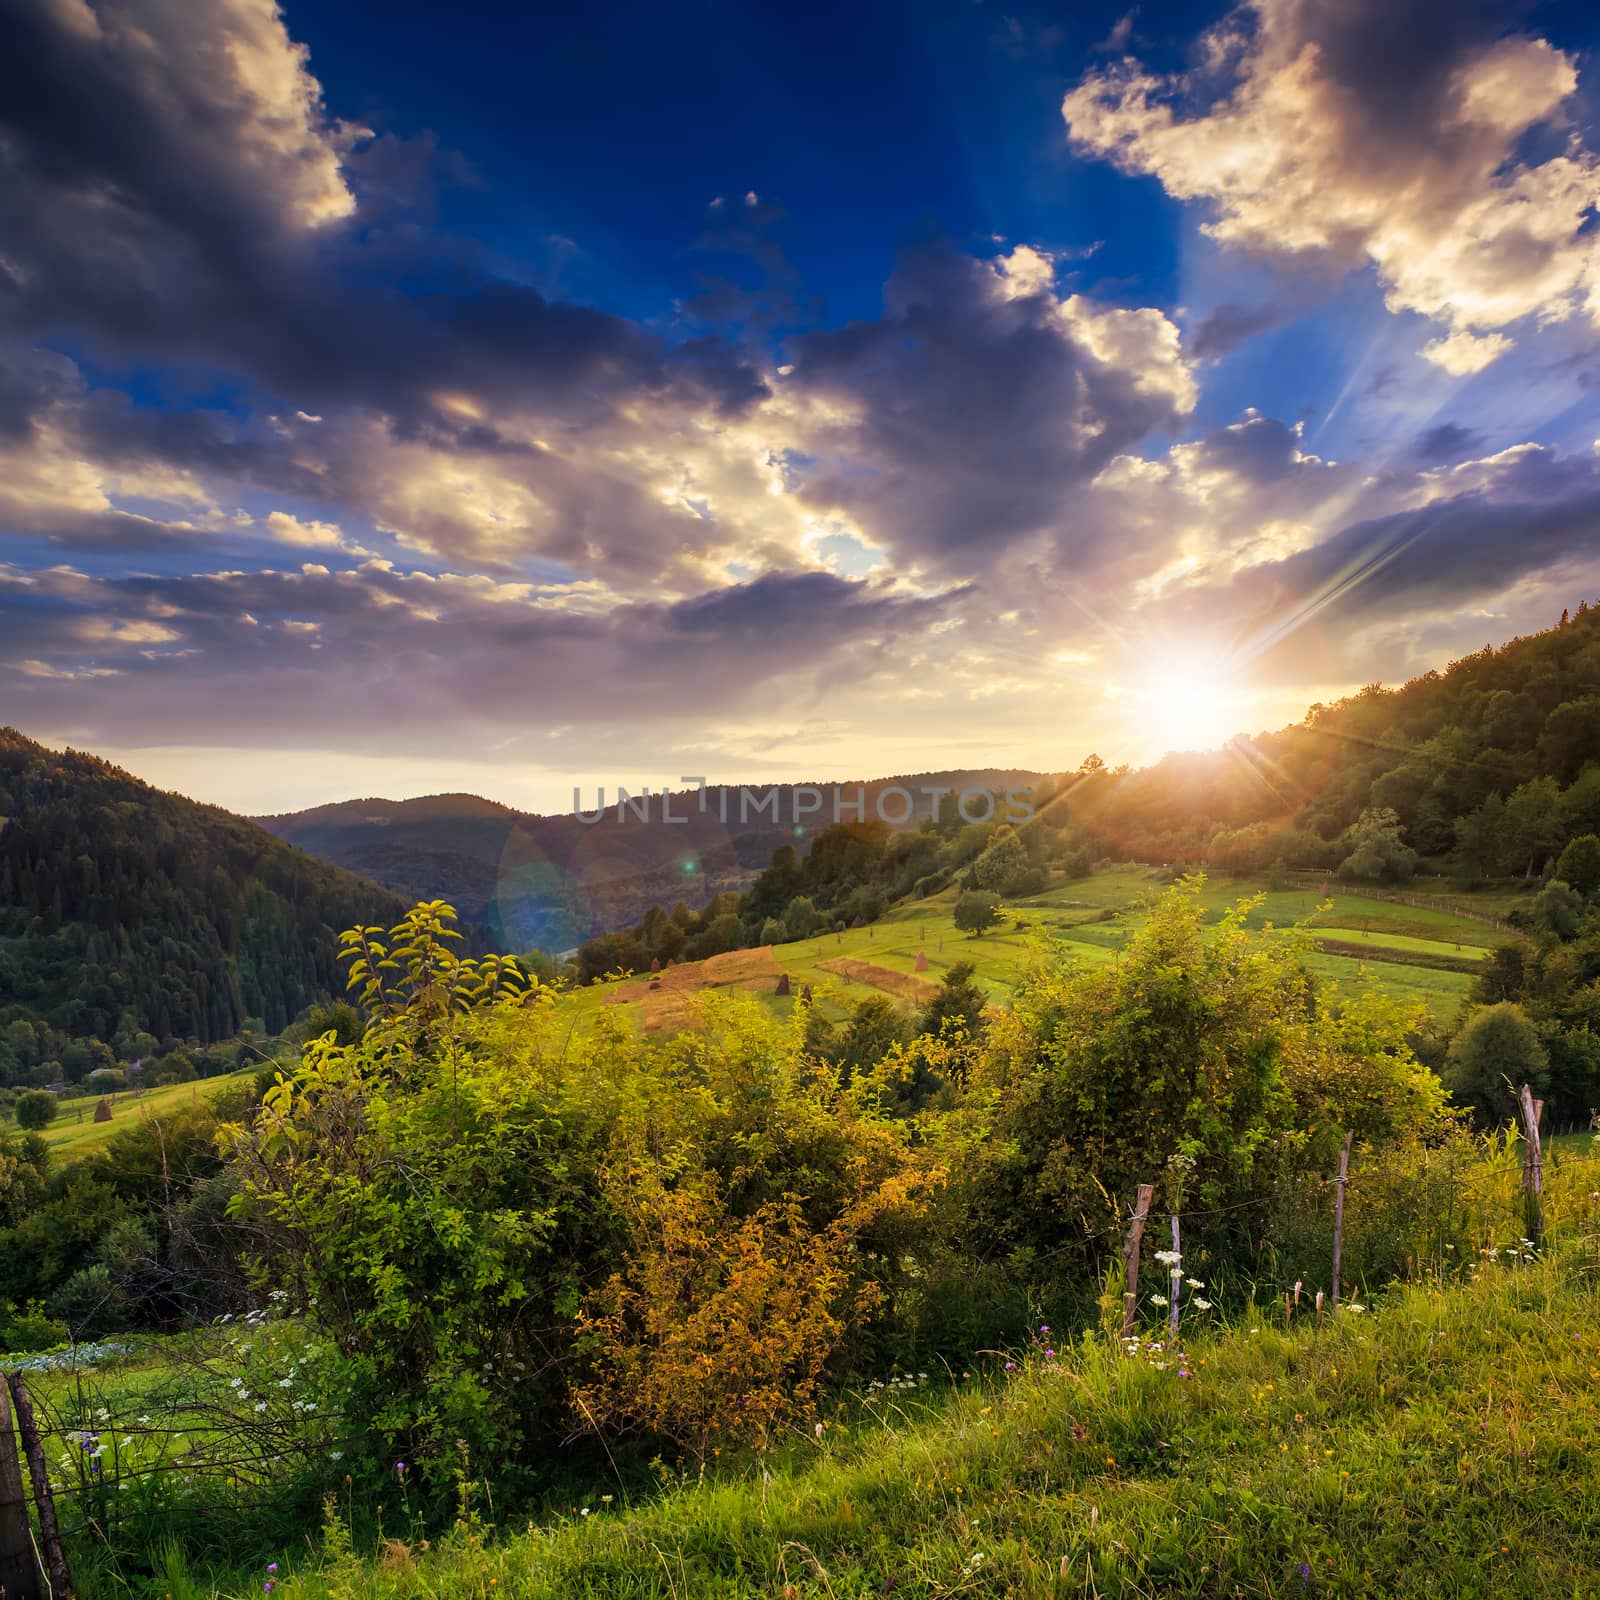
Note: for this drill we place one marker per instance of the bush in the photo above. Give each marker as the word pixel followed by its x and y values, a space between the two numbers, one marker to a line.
pixel 510 1244
pixel 1202 1062
pixel 36 1109
pixel 1497 1050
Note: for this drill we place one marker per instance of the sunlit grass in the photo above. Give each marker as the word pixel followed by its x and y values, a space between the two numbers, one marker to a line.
pixel 75 1133
pixel 1441 1443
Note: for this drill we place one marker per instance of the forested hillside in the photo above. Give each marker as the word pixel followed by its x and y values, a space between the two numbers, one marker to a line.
pixel 129 912
pixel 1483 766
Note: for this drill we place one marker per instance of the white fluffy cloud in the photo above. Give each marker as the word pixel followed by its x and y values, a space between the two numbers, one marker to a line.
pixel 1355 131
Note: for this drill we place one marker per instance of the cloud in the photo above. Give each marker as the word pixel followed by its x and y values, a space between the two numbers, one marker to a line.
pixel 314 655
pixel 962 419
pixel 1420 139
pixel 171 186
pixel 1458 536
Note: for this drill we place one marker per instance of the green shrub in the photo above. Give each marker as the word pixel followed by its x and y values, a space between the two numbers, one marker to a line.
pixel 36 1109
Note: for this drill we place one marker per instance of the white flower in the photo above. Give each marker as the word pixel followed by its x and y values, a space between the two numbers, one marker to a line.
pixel 1158 1299
pixel 1204 1305
pixel 1169 1258
pixel 1356 1307
pixel 1195 1283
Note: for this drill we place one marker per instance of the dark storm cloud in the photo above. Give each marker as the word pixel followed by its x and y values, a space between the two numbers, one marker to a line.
pixel 170 184
pixel 977 403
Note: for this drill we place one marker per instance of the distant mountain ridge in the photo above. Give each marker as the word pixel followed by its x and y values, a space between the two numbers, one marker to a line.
pixel 554 880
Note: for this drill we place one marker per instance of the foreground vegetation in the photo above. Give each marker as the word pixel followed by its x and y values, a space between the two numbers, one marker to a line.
pixel 1443 1443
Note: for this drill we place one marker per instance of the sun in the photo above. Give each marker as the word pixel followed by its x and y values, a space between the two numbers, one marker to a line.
pixel 1185 703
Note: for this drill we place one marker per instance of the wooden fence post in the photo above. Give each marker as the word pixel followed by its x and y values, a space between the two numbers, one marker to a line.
pixel 1532 1165
pixel 1130 1254
pixel 1174 1282
pixel 55 1560
pixel 19 1571
pixel 1338 1215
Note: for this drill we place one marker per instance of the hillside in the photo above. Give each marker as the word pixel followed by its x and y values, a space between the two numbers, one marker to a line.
pixel 1483 765
pixel 127 912
pixel 553 881
pixel 1439 1444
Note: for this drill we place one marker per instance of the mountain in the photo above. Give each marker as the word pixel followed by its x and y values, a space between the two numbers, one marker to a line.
pixel 125 910
pixel 554 881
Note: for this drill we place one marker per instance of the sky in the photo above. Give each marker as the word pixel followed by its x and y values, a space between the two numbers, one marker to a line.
pixel 398 400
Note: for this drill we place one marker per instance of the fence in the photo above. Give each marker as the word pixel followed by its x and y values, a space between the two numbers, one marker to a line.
pixel 1422 902
pixel 247 1457
pixel 30 1568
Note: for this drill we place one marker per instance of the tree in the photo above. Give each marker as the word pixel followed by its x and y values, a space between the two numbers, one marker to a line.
pixel 999 866
pixel 1496 1051
pixel 801 917
pixel 1579 865
pixel 977 911
pixel 1571 737
pixel 1377 853
pixel 959 1001
pixel 1558 909
pixel 36 1109
pixel 1484 838
pixel 1533 823
pixel 875 1028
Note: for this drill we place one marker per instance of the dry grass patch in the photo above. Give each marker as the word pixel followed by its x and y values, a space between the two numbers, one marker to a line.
pixel 903 985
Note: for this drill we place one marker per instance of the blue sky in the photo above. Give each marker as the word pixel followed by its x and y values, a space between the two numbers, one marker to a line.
pixel 396 400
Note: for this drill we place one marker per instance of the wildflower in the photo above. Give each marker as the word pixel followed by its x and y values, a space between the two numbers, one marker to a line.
pixel 584 1512
pixel 1204 1305
pixel 1169 1258
pixel 1044 1327
pixel 1356 1307
pixel 1011 1366
pixel 1158 1300
pixel 1195 1283
pixel 1050 1355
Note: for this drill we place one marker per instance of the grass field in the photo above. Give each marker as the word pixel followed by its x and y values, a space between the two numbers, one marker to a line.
pixel 75 1133
pixel 1442 1443
pixel 1415 952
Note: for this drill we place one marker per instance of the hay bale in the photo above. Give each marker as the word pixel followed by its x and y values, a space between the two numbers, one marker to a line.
pixel 102 1112
pixel 783 984
pixel 922 961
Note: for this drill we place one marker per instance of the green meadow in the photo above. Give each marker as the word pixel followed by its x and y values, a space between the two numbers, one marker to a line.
pixel 1414 952
pixel 75 1133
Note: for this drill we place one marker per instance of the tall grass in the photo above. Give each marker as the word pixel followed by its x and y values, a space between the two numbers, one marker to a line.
pixel 1441 1443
